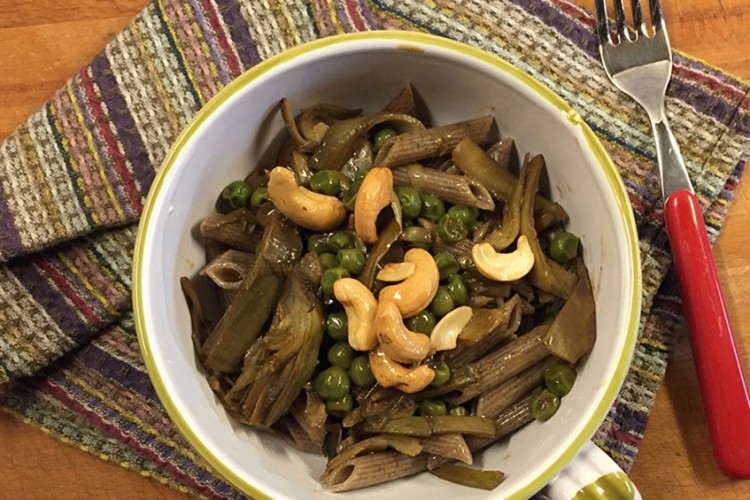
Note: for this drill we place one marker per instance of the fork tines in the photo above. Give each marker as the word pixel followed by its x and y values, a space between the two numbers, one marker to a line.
pixel 603 27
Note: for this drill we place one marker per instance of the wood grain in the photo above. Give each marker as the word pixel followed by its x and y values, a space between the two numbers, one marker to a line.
pixel 43 42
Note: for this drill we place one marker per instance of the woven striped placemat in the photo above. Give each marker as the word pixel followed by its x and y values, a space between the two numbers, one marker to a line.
pixel 74 176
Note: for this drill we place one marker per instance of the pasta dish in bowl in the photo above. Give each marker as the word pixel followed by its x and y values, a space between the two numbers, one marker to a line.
pixel 382 254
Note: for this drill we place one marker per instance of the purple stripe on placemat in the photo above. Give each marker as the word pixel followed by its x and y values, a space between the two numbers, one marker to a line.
pixel 127 131
pixel 239 32
pixel 113 368
pixel 10 240
pixel 568 27
pixel 39 287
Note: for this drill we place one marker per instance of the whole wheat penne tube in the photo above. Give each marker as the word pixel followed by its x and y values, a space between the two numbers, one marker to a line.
pixel 449 446
pixel 509 420
pixel 453 188
pixel 436 141
pixel 229 269
pixel 492 402
pixel 375 468
pixel 403 102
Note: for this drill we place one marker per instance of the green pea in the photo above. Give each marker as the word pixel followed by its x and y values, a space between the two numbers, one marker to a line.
pixel 332 383
pixel 457 288
pixel 377 286
pixel 236 194
pixel 544 404
pixel 564 247
pixel 340 240
pixel 328 260
pixel 432 408
pixel 432 207
pixel 411 202
pixel 360 176
pixel 559 379
pixel 259 197
pixel 446 264
pixel 341 406
pixel 465 214
pixel 331 276
pixel 337 325
pixel 381 136
pixel 326 182
pixel 352 259
pixel 458 411
pixel 317 243
pixel 341 354
pixel 442 374
pixel 360 372
pixel 452 229
pixel 442 303
pixel 422 322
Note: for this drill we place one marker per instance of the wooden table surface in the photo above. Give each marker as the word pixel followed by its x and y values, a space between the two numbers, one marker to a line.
pixel 42 42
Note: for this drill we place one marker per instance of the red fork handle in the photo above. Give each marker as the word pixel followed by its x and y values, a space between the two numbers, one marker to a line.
pixel 726 400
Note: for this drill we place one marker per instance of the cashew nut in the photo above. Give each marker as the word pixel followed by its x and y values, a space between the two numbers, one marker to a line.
pixel 393 272
pixel 360 307
pixel 447 330
pixel 503 266
pixel 389 373
pixel 319 212
pixel 398 342
pixel 373 196
pixel 417 291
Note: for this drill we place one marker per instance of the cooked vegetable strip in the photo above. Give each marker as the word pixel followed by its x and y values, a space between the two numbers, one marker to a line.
pixel 451 446
pixel 242 323
pixel 474 478
pixel 283 360
pixel 387 237
pixel 472 160
pixel 201 327
pixel 305 145
pixel 573 331
pixel 236 229
pixel 372 469
pixel 427 426
pixel 343 138
pixel 457 189
pixel 546 274
pixel 433 142
pixel 502 237
pixel 491 403
pixel 497 367
pixel 229 269
pixel 314 121
pixel 403 102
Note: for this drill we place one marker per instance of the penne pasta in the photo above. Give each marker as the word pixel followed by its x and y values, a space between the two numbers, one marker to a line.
pixel 229 269
pixel 458 189
pixel 432 142
pixel 447 446
pixel 403 102
pixel 375 468
pixel 508 361
pixel 492 402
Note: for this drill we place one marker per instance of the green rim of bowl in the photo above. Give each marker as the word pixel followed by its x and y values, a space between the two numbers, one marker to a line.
pixel 223 95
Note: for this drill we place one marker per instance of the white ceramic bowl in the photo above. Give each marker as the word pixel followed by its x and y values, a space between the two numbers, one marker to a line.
pixel 457 82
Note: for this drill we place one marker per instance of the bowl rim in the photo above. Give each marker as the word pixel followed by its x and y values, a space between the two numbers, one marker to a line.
pixel 420 40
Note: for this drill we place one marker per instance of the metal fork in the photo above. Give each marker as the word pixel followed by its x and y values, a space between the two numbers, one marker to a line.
pixel 640 64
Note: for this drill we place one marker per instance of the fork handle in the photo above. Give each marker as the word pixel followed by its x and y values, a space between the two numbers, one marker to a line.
pixel 726 400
